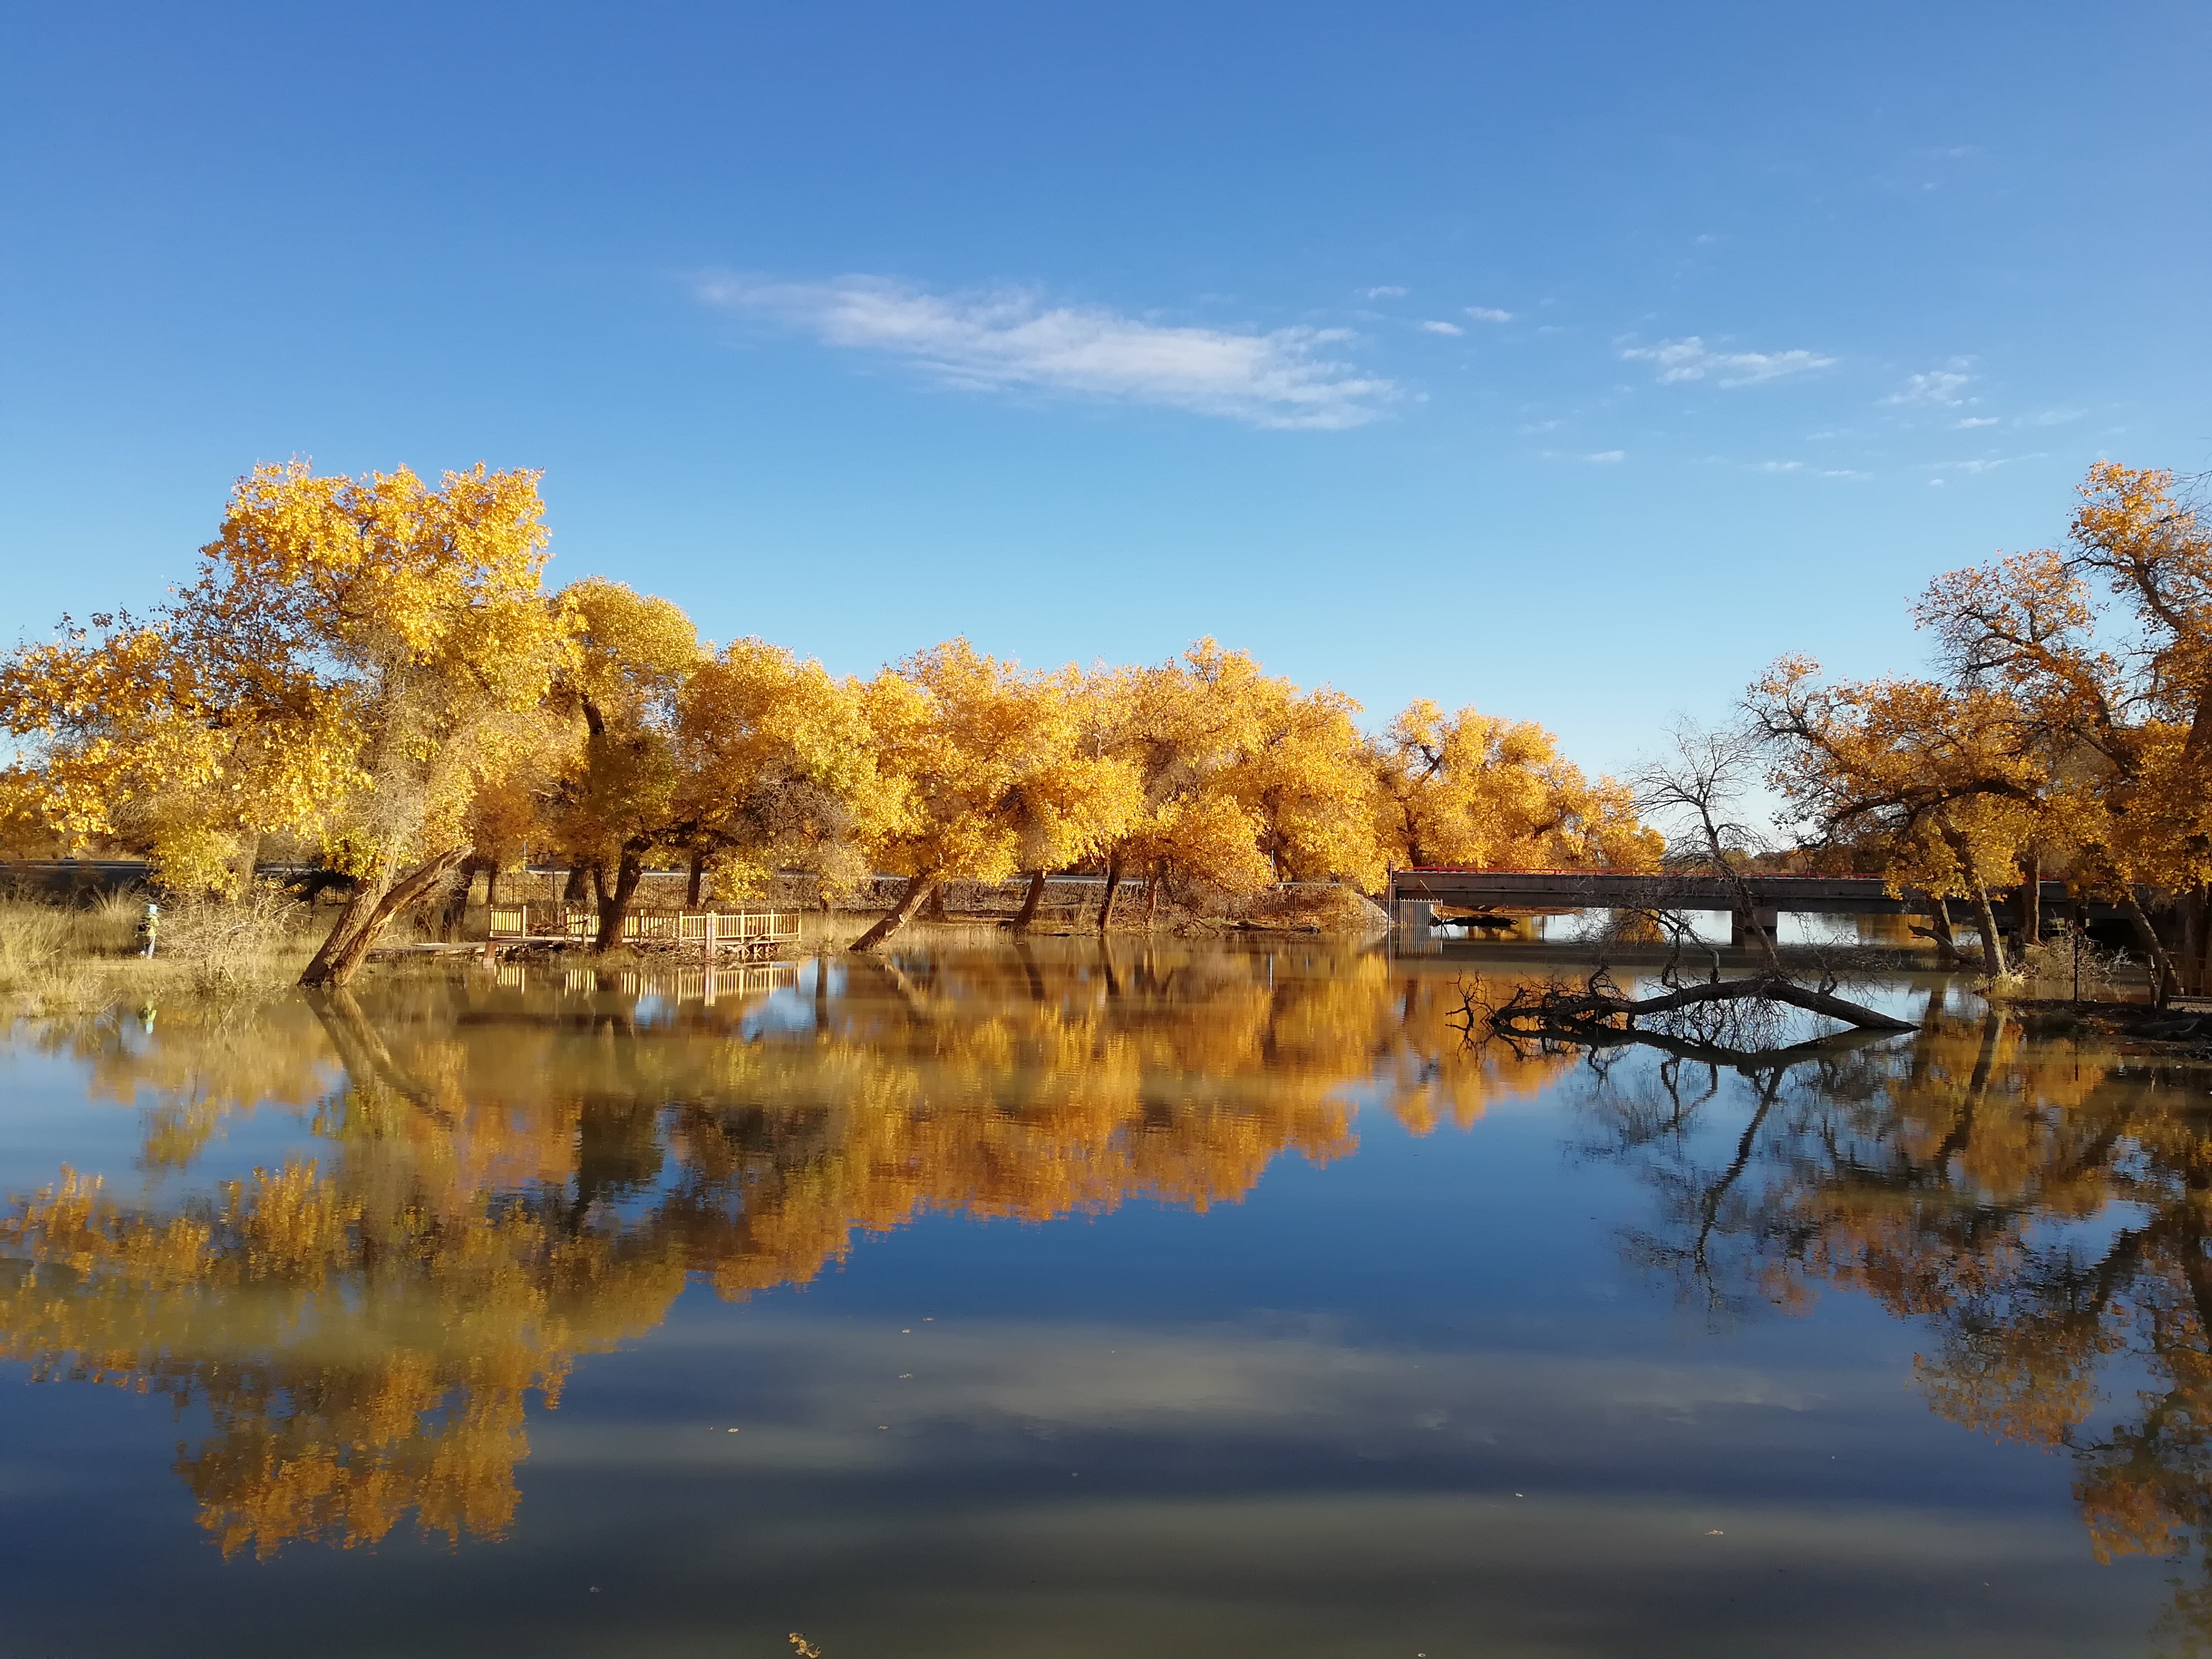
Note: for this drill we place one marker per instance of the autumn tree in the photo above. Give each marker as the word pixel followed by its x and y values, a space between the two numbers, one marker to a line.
pixel 2058 727
pixel 988 758
pixel 619 804
pixel 1948 785
pixel 1471 789
pixel 777 769
pixel 1183 727
pixel 345 668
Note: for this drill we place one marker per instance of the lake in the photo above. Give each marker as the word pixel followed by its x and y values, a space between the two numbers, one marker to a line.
pixel 1159 1300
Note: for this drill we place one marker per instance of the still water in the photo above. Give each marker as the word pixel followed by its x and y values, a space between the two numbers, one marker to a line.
pixel 1071 1302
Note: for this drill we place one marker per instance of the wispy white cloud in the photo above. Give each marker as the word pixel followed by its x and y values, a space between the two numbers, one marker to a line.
pixel 1434 327
pixel 1488 315
pixel 1939 387
pixel 1811 472
pixel 2052 417
pixel 1974 420
pixel 998 339
pixel 1607 457
pixel 1594 458
pixel 1984 464
pixel 1386 292
pixel 1692 359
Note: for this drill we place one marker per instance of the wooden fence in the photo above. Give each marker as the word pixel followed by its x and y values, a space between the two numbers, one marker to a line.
pixel 744 933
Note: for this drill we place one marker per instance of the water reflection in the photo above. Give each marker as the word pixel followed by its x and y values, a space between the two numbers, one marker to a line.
pixel 510 1173
pixel 2040 1207
pixel 490 1177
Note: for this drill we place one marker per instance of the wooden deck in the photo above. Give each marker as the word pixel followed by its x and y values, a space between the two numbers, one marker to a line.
pixel 752 935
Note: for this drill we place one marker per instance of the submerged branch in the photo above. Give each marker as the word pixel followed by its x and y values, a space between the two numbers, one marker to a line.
pixel 1595 1016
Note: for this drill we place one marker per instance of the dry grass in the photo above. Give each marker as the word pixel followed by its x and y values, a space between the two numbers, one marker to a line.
pixel 61 958
pixel 224 948
pixel 2053 962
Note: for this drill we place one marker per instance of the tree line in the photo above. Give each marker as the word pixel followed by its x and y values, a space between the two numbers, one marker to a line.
pixel 376 668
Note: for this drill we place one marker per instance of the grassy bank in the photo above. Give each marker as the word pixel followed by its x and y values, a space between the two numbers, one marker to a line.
pixel 58 958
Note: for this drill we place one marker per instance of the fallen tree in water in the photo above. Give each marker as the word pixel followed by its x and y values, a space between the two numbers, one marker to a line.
pixel 1730 1022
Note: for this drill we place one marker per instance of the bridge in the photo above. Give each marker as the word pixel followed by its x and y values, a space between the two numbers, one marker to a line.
pixel 1413 895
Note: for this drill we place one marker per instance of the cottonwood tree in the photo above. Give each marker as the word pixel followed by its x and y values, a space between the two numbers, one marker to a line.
pixel 777 768
pixel 618 806
pixel 1948 784
pixel 342 669
pixel 1469 788
pixel 1302 774
pixel 2053 734
pixel 984 751
pixel 1182 727
pixel 2127 708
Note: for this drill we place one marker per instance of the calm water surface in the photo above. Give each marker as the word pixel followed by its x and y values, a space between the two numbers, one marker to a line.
pixel 1159 1302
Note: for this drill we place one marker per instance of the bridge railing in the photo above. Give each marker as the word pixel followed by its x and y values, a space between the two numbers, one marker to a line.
pixel 548 920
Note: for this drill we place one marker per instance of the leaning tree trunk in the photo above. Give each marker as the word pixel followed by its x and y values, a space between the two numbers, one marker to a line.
pixel 1113 892
pixel 366 915
pixel 1985 918
pixel 615 901
pixel 2031 904
pixel 2161 964
pixel 918 888
pixel 1030 900
pixel 1939 917
pixel 696 885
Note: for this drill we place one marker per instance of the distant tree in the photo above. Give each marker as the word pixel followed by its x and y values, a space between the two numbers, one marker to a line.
pixel 1471 789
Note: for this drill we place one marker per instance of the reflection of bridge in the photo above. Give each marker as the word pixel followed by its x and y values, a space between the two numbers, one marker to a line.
pixel 1414 893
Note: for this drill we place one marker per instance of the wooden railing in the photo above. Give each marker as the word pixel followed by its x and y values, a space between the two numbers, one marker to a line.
pixel 746 981
pixel 749 931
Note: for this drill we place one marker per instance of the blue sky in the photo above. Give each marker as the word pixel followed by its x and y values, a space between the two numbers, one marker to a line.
pixel 1570 360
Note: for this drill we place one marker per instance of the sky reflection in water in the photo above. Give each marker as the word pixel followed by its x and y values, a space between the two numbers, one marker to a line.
pixel 1071 1302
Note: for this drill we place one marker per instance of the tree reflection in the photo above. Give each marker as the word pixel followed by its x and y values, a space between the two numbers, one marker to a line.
pixel 2040 1207
pixel 507 1176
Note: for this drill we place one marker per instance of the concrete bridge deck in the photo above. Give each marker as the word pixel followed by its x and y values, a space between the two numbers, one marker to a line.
pixel 1620 890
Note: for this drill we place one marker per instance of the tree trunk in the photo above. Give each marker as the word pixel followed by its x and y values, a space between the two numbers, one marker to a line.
pixel 615 901
pixel 1939 929
pixel 698 884
pixel 918 888
pixel 1153 899
pixel 573 889
pixel 2161 964
pixel 1113 892
pixel 249 861
pixel 365 916
pixel 2196 937
pixel 1027 914
pixel 936 910
pixel 455 910
pixel 2031 905
pixel 491 886
pixel 1985 918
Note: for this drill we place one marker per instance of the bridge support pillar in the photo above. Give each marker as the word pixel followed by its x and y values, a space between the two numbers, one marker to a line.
pixel 1746 926
pixel 1415 917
